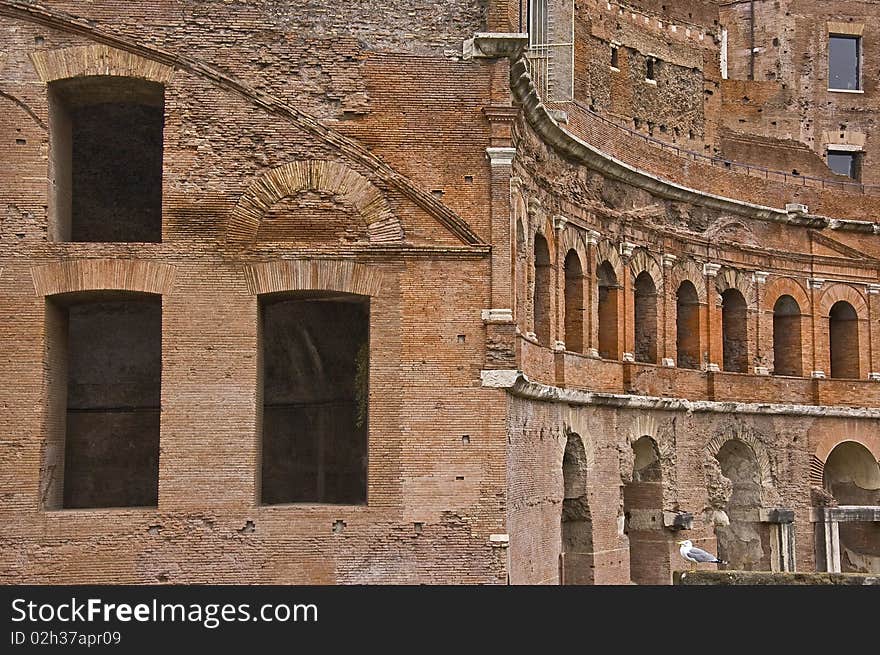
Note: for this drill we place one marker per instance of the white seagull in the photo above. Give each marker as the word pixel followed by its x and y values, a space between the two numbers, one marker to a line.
pixel 696 555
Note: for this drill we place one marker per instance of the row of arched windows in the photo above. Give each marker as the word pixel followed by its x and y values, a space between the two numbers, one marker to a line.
pixel 787 320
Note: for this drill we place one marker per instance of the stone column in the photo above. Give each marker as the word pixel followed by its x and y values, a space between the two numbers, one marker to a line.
pixel 668 352
pixel 626 334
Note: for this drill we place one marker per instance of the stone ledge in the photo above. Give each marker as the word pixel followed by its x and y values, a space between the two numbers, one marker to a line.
pixel 728 578
pixel 517 384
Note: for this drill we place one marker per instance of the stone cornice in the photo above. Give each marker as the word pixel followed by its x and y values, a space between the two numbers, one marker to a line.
pixel 517 384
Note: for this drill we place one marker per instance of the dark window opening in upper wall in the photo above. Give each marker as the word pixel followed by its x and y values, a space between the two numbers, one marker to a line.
pixel 615 57
pixel 110 365
pixel 315 386
pixel 106 159
pixel 844 53
pixel 844 163
pixel 650 65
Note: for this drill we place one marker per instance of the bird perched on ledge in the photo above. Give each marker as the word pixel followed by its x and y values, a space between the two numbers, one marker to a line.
pixel 696 555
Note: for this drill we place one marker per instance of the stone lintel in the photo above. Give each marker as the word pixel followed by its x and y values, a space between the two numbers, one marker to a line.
pixel 502 156
pixel 497 315
pixel 776 515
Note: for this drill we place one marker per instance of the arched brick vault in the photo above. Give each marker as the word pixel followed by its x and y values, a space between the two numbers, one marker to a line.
pixel 97 59
pixel 785 286
pixel 103 274
pixel 663 437
pixel 313 274
pixel 687 269
pixel 608 253
pixel 312 175
pixel 837 292
pixel 643 261
pixel 729 278
pixel 762 456
pixel 866 435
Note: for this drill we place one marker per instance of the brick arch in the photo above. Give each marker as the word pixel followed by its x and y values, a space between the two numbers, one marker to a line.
pixel 643 261
pixel 839 291
pixel 868 439
pixel 647 426
pixel 103 275
pixel 94 60
pixel 606 252
pixel 572 239
pixel 688 270
pixel 312 175
pixel 762 457
pixel 786 286
pixel 313 274
pixel 730 278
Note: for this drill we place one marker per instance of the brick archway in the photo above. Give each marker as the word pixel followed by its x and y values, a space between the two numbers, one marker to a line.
pixel 312 175
pixel 97 59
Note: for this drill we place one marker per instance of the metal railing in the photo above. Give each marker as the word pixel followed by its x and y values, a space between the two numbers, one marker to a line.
pixel 721 162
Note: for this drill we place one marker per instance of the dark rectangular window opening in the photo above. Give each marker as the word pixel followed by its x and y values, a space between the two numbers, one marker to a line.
pixel 106 159
pixel 650 63
pixel 844 54
pixel 106 371
pixel 615 57
pixel 845 163
pixel 315 386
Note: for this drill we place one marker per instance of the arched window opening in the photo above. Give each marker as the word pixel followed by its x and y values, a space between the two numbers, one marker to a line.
pixel 609 291
pixel 843 335
pixel 542 290
pixel 787 358
pixel 105 159
pixel 645 307
pixel 734 331
pixel 852 476
pixel 743 543
pixel 315 370
pixel 649 551
pixel 576 522
pixel 574 302
pixel 687 326
pixel 105 352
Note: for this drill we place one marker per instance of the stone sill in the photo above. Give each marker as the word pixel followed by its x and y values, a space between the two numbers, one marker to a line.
pixel 856 91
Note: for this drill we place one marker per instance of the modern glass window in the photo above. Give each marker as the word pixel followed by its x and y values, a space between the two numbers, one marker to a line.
pixel 843 62
pixel 844 162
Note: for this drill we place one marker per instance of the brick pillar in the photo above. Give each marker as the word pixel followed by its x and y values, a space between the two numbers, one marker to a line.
pixel 714 344
pixel 500 153
pixel 763 331
pixel 591 343
pixel 626 333
pixel 872 293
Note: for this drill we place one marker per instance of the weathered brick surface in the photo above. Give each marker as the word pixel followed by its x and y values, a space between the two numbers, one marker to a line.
pixel 342 148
